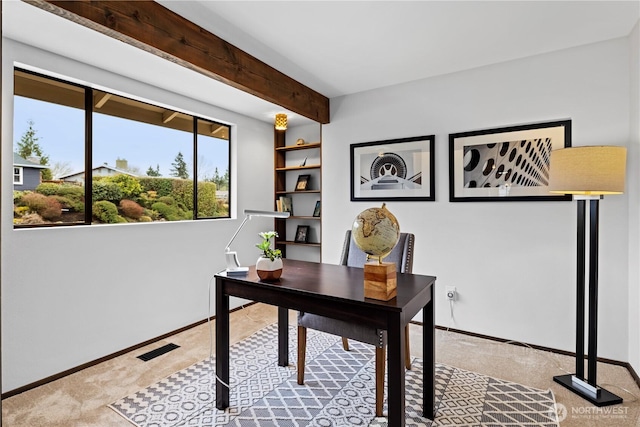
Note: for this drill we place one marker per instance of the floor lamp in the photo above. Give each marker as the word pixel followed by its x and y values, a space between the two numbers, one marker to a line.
pixel 588 173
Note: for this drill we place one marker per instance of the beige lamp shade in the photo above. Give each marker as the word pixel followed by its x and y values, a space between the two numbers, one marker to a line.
pixel 591 171
pixel 281 121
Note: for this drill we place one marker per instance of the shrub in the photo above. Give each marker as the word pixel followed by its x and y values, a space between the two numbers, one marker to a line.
pixel 183 193
pixel 17 196
pixel 161 186
pixel 152 214
pixel 147 199
pixel 106 190
pixel 129 185
pixel 167 200
pixel 207 203
pixel 145 218
pixel 69 203
pixel 105 211
pixel 34 201
pixel 223 209
pixel 131 209
pixel 48 188
pixel 170 213
pixel 71 191
pixel 47 207
pixel 20 211
pixel 52 210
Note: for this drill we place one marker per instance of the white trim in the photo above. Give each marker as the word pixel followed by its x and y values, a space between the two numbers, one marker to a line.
pixel 20 175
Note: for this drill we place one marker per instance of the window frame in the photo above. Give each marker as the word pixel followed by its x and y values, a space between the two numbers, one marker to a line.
pixel 20 175
pixel 88 149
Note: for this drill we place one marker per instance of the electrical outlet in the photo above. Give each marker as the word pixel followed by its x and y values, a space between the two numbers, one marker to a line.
pixel 451 293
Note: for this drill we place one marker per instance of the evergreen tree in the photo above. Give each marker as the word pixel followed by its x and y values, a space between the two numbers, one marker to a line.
pixel 153 172
pixel 28 147
pixel 224 184
pixel 179 167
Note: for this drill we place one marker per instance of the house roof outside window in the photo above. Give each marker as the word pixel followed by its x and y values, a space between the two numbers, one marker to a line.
pixel 21 161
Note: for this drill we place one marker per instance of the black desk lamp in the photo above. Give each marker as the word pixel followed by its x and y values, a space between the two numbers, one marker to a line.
pixel 233 265
pixel 588 173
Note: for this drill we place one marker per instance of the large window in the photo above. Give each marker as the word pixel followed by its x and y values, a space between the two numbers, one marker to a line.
pixel 103 158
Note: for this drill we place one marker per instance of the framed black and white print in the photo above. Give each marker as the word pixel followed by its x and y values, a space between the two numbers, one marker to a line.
pixel 395 169
pixel 302 234
pixel 505 164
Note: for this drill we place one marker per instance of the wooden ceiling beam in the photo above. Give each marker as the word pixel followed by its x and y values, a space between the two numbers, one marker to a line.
pixel 167 116
pixel 103 100
pixel 217 130
pixel 155 29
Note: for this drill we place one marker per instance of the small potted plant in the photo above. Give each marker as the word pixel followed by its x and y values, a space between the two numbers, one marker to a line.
pixel 269 265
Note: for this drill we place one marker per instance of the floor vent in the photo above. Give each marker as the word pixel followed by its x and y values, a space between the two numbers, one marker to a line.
pixel 158 352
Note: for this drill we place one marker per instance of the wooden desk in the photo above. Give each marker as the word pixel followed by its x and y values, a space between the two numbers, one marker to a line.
pixel 336 291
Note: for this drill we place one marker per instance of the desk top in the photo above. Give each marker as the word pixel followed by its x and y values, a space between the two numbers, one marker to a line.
pixel 337 283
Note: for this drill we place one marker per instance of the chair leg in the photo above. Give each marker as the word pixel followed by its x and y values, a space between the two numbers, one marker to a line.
pixel 302 349
pixel 407 348
pixel 345 343
pixel 380 362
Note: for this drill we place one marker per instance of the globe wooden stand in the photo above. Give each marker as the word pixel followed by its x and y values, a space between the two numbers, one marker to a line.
pixel 380 280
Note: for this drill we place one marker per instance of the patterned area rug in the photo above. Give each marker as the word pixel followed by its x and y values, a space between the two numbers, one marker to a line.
pixel 339 390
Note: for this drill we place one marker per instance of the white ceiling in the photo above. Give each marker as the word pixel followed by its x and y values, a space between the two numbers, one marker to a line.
pixel 340 47
pixel 344 47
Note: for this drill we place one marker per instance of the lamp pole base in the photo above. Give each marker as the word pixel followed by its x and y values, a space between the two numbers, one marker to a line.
pixel 596 395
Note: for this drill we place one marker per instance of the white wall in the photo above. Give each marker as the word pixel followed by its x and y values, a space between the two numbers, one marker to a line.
pixel 633 189
pixel 513 263
pixel 124 284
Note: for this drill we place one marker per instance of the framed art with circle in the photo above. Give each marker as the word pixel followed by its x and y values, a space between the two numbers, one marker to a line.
pixel 505 164
pixel 394 169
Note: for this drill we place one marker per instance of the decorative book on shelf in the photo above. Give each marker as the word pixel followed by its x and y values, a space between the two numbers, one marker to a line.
pixel 285 204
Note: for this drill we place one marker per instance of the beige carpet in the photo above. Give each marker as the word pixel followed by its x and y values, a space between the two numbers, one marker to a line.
pixel 81 399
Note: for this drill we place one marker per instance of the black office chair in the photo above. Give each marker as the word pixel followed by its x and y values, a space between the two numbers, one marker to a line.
pixel 352 256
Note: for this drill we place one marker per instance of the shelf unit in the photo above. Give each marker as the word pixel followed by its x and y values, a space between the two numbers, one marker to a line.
pixel 288 158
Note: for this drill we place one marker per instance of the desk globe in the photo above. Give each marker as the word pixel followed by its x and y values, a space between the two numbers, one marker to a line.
pixel 376 232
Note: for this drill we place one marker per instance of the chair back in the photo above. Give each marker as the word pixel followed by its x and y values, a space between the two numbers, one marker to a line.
pixel 402 253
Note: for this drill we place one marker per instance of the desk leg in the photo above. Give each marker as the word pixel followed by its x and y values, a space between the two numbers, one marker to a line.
pixel 428 351
pixel 283 336
pixel 222 345
pixel 396 373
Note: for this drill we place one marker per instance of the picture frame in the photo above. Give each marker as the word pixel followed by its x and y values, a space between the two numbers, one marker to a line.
pixel 396 169
pixel 303 182
pixel 302 234
pixel 317 209
pixel 505 164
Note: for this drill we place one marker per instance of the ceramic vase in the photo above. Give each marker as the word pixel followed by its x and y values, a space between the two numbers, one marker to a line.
pixel 269 270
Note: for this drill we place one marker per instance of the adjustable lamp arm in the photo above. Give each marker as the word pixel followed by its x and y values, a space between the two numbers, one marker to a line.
pixel 227 248
pixel 233 265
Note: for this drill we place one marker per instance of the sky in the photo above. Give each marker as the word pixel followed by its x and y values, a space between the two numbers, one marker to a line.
pixel 60 131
